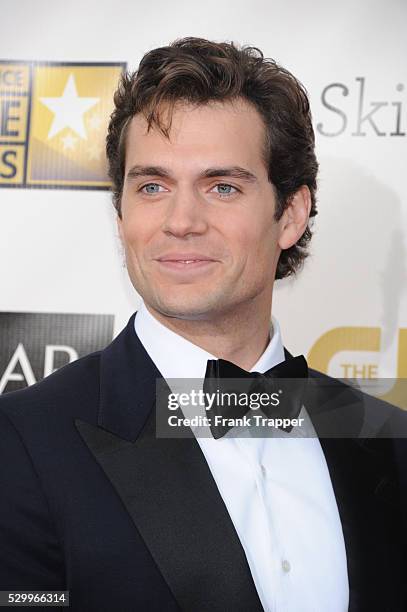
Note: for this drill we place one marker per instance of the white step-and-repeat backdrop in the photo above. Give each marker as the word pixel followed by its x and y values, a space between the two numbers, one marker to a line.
pixel 64 290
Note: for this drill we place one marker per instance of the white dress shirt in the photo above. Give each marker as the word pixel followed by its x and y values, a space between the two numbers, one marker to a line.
pixel 277 490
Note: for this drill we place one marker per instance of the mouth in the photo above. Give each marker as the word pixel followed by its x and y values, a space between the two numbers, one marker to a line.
pixel 185 265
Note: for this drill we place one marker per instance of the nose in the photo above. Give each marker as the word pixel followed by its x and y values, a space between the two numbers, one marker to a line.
pixel 185 214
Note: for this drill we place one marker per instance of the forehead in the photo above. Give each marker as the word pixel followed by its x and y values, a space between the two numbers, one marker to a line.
pixel 218 132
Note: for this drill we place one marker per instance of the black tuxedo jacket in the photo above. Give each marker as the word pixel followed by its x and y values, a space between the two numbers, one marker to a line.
pixel 93 502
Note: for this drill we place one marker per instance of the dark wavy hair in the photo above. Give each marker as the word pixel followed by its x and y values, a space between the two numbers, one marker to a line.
pixel 198 71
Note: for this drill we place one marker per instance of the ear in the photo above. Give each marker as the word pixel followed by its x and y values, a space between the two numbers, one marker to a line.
pixel 294 220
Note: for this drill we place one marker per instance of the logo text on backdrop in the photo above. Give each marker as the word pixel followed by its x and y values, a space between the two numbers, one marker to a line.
pixel 34 345
pixel 53 122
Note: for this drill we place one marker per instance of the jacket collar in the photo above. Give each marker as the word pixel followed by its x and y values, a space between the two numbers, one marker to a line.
pixel 127 385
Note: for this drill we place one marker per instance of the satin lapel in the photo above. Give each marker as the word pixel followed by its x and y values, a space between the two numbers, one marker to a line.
pixel 167 488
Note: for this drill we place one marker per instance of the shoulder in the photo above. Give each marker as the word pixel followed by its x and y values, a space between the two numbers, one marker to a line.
pixel 379 429
pixel 378 445
pixel 73 385
pixel 380 417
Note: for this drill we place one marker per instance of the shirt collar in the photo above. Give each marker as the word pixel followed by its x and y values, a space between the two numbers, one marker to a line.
pixel 177 357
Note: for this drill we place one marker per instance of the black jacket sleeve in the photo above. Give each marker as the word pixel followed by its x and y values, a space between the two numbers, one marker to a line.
pixel 31 556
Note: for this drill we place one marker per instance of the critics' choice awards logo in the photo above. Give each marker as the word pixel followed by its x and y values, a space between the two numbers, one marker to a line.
pixel 356 353
pixel 53 122
pixel 34 345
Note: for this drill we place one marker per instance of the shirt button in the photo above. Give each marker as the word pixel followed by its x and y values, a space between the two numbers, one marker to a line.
pixel 285 565
pixel 263 471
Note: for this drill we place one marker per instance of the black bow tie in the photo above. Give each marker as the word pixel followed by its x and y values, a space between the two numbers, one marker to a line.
pixel 286 381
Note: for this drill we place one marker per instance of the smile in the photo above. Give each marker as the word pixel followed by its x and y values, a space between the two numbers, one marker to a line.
pixel 186 261
pixel 186 265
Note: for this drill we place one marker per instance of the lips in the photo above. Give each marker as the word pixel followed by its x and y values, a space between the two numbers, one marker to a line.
pixel 185 258
pixel 185 266
pixel 184 261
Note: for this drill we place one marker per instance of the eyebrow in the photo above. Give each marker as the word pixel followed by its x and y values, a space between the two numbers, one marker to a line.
pixel 232 171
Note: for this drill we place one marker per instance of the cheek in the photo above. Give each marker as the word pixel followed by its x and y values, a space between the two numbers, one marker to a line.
pixel 138 229
pixel 259 246
pixel 253 236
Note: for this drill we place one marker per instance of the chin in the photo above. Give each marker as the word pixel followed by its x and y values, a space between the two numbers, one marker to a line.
pixel 181 307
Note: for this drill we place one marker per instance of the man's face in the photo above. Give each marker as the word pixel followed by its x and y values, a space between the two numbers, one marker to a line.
pixel 197 212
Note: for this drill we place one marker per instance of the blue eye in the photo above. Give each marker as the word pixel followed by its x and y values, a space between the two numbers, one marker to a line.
pixel 225 189
pixel 151 188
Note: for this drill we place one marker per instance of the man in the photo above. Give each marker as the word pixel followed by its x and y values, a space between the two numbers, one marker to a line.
pixel 211 155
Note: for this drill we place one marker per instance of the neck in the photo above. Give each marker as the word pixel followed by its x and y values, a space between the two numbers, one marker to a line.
pixel 239 337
